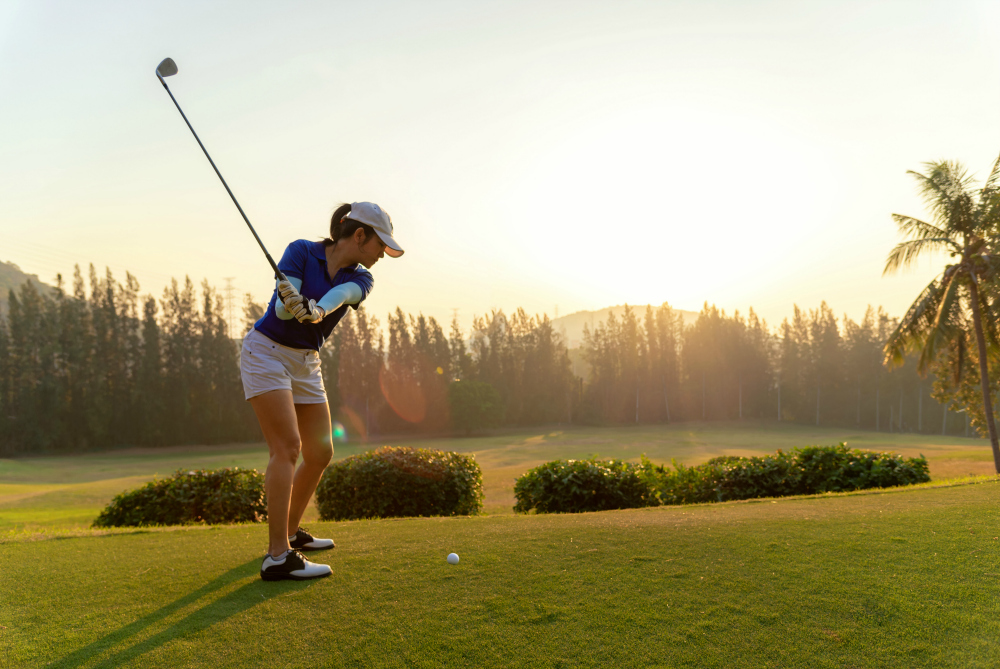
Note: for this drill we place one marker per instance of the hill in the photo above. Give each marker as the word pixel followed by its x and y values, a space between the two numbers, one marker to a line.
pixel 12 278
pixel 571 325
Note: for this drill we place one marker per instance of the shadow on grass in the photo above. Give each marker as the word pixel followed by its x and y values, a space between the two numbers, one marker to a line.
pixel 239 600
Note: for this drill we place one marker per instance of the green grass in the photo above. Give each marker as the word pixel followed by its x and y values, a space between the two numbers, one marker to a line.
pixel 898 579
pixel 903 578
pixel 56 496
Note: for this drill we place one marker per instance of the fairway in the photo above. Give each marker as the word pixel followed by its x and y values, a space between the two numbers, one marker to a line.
pixel 59 496
pixel 902 578
pixel 897 579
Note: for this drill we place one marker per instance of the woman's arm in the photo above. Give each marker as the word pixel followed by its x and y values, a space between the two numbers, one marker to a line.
pixel 293 264
pixel 279 306
pixel 338 296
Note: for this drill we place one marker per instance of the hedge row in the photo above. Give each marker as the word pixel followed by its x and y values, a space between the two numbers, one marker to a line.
pixel 396 482
pixel 571 486
pixel 590 485
pixel 399 482
pixel 387 482
pixel 213 497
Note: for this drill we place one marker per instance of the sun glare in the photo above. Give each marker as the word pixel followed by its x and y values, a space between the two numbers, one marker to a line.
pixel 645 201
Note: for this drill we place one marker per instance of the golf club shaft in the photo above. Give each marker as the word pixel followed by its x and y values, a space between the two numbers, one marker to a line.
pixel 277 272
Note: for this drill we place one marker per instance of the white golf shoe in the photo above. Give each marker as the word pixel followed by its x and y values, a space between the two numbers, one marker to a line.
pixel 303 541
pixel 292 566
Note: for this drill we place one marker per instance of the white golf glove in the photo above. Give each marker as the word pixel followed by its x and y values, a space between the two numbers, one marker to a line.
pixel 286 291
pixel 308 311
pixel 297 306
pixel 304 310
pixel 292 299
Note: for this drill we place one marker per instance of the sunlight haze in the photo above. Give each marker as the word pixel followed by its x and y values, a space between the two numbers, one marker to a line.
pixel 531 154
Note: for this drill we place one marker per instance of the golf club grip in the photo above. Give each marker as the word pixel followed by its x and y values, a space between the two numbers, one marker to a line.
pixel 277 272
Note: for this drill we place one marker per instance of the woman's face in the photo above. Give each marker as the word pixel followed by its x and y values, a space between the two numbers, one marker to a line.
pixel 371 251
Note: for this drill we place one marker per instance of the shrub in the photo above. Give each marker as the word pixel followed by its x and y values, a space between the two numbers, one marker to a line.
pixel 221 496
pixel 590 485
pixel 397 482
pixel 474 405
pixel 572 486
pixel 804 471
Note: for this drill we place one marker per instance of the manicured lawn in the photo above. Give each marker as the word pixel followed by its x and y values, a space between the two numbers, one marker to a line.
pixel 906 578
pixel 56 496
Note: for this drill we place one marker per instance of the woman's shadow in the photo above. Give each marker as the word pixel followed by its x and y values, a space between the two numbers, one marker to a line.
pixel 243 598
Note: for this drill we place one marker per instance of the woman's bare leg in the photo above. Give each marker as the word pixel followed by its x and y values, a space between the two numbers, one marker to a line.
pixel 317 448
pixel 277 417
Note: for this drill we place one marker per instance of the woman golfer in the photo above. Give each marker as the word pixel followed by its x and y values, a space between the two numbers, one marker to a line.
pixel 281 373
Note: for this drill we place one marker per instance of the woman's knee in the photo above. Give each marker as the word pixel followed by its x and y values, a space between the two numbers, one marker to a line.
pixel 286 449
pixel 318 454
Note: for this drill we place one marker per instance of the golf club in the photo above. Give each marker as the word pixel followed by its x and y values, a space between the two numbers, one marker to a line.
pixel 167 68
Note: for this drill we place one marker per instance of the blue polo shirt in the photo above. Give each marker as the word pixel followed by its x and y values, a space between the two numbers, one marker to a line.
pixel 306 260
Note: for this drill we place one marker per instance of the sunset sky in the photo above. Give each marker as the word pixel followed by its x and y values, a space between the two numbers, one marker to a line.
pixel 539 154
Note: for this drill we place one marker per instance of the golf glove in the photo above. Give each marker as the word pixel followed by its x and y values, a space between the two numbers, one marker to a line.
pixel 292 300
pixel 304 310
pixel 286 290
pixel 297 306
pixel 313 312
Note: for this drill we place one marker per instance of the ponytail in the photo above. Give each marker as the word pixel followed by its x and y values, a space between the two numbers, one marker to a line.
pixel 341 226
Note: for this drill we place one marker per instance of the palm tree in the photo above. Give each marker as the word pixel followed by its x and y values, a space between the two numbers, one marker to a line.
pixel 956 305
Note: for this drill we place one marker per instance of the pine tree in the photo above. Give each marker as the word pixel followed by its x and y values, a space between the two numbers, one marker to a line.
pixel 150 408
pixel 461 361
pixel 6 387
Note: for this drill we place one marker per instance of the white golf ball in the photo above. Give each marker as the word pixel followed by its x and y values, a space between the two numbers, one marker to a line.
pixel 452 558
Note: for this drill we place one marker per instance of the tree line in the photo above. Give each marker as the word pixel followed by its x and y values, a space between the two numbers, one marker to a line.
pixel 400 383
pixel 813 369
pixel 96 365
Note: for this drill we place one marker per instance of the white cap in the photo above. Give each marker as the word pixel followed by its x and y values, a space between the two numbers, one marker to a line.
pixel 373 215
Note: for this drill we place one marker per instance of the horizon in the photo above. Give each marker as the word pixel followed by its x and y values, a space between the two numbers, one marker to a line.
pixel 739 155
pixel 687 315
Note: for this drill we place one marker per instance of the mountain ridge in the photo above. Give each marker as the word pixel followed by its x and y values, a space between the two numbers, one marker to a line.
pixel 12 278
pixel 571 325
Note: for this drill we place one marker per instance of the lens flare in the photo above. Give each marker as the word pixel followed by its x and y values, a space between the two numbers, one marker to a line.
pixel 355 421
pixel 403 394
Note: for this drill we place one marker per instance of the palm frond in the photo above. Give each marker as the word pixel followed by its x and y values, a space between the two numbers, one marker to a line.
pixel 945 190
pixel 942 338
pixel 906 252
pixel 990 262
pixel 989 205
pixel 990 185
pixel 946 324
pixel 988 214
pixel 949 308
pixel 916 325
pixel 917 229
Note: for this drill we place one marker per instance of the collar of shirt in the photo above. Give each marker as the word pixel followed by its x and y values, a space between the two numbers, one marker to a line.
pixel 319 252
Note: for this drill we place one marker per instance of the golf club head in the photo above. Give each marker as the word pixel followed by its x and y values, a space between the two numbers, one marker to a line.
pixel 166 68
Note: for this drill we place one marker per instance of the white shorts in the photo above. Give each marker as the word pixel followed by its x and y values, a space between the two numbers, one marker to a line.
pixel 266 365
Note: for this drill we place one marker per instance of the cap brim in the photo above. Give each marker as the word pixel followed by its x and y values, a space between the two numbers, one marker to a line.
pixel 392 249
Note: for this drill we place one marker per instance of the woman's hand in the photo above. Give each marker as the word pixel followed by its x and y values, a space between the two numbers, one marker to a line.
pixel 287 292
pixel 308 311
pixel 293 301
pixel 304 310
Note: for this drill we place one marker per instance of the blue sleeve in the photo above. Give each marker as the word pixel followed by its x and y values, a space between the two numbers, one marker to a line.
pixel 293 262
pixel 366 282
